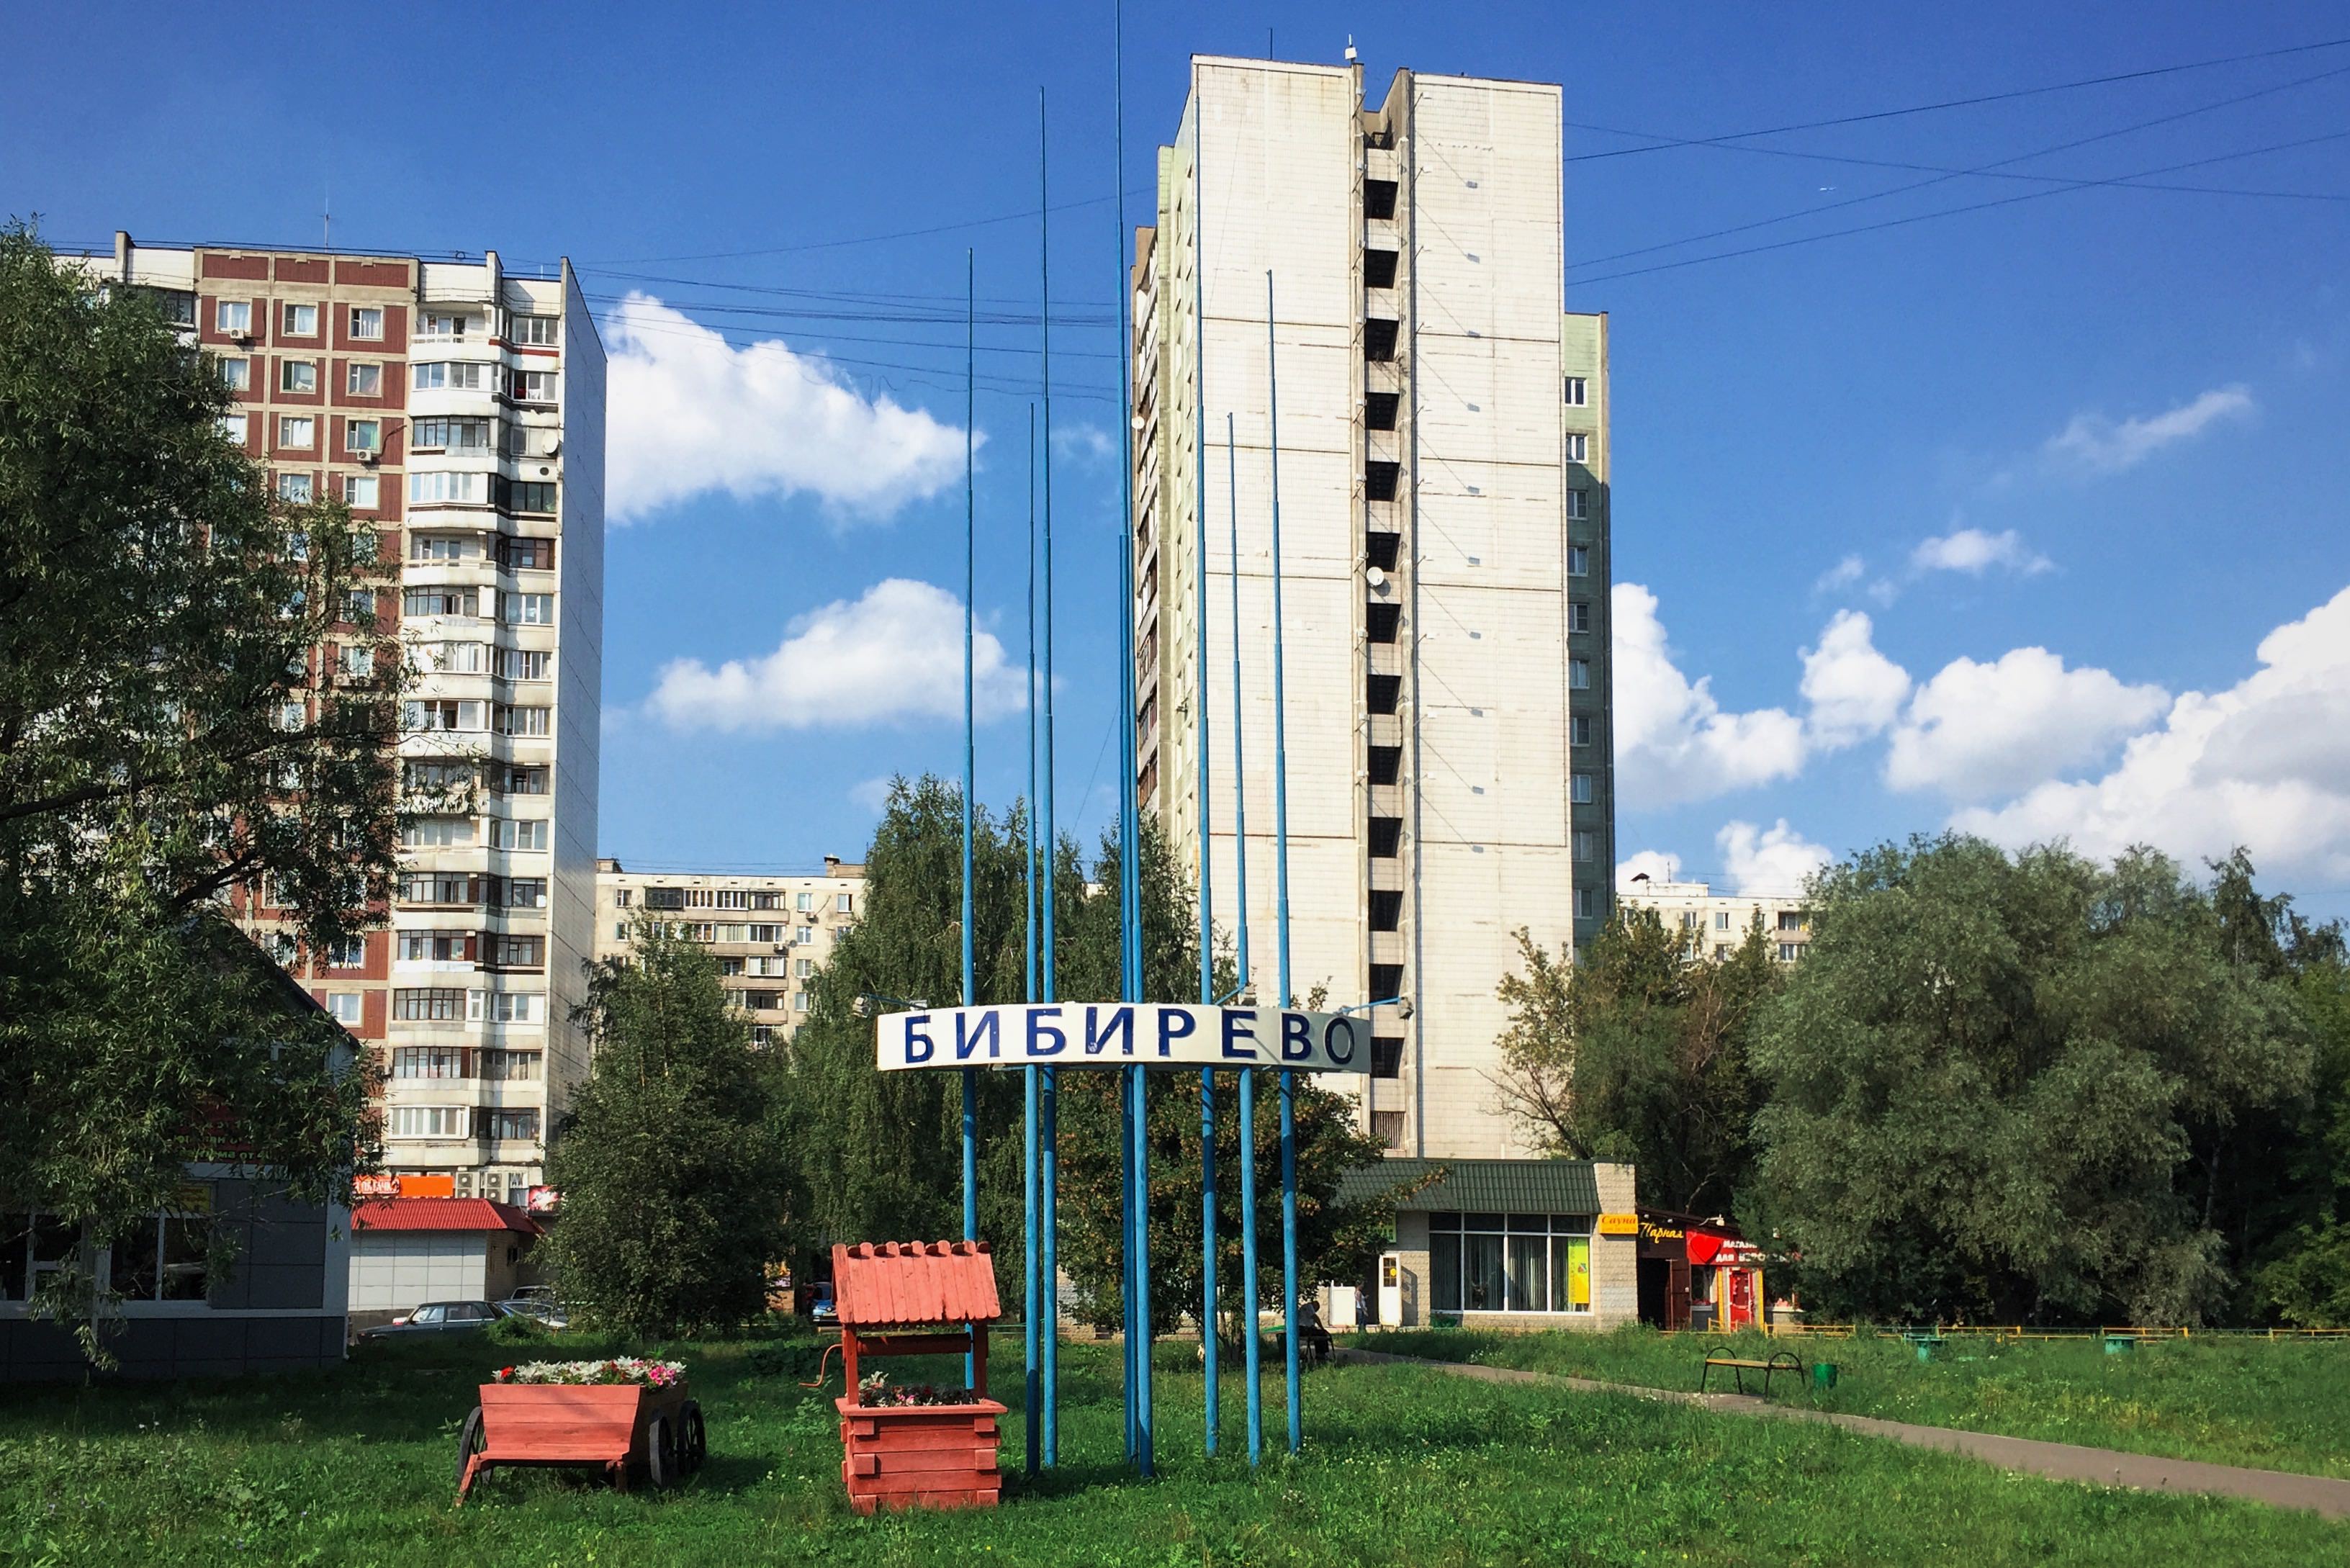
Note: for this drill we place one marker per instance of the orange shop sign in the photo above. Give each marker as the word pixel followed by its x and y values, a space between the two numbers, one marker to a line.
pixel 1619 1225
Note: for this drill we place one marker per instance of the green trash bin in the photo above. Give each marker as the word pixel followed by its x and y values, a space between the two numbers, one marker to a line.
pixel 1823 1377
pixel 2120 1344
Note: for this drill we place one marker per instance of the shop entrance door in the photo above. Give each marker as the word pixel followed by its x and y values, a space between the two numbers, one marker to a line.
pixel 1677 1294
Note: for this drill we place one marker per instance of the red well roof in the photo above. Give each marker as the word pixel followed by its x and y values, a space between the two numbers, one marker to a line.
pixel 902 1284
pixel 441 1214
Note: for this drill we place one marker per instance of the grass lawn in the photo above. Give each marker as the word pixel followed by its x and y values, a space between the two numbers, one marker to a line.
pixel 2280 1406
pixel 1405 1465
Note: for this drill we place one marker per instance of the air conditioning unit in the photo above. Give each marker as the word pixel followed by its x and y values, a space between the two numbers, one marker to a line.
pixel 370 459
pixel 244 339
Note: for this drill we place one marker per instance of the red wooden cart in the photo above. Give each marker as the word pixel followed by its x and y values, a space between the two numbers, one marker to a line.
pixel 917 1298
pixel 617 1427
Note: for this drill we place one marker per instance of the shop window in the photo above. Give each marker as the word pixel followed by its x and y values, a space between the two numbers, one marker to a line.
pixel 1509 1263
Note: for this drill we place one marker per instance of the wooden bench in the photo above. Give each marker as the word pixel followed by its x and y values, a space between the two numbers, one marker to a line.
pixel 1740 1365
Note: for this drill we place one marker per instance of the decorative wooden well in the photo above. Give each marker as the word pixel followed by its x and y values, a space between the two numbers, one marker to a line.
pixel 917 1298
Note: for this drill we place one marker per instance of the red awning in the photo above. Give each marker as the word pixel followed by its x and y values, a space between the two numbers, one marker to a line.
pixel 442 1214
pixel 910 1284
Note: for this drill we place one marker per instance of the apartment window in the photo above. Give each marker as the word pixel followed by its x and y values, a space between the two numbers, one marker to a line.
pixel 364 380
pixel 366 322
pixel 524 721
pixel 1578 730
pixel 805 902
pixel 456 489
pixel 523 663
pixel 511 834
pixel 514 1126
pixel 442 324
pixel 1379 199
pixel 301 321
pixel 437 833
pixel 538 331
pixel 536 496
pixel 763 1035
pixel 232 427
pixel 1721 919
pixel 1578 447
pixel 1578 615
pixel 664 897
pixel 436 776
pixel 1578 505
pixel 429 1004
pixel 804 935
pixel 767 900
pixel 441 714
pixel 442 546
pixel 1378 269
pixel 1387 1055
pixel 1790 921
pixel 450 375
pixel 1509 1262
pixel 1387 764
pixel 1578 391
pixel 1379 479
pixel 525 893
pixel 361 492
pixel 512 1066
pixel 1586 903
pixel 533 386
pixel 1578 674
pixel 298 376
pixel 515 1007
pixel 358 662
pixel 177 304
pixel 768 934
pixel 699 931
pixel 1379 340
pixel 1689 919
pixel 1789 952
pixel 236 375
pixel 1388 1127
pixel 234 316
pixel 348 953
pixel 732 899
pixel 436 947
pixel 842 903
pixel 1578 557
pixel 295 488
pixel 799 1001
pixel 762 1000
pixel 803 968
pixel 528 555
pixel 1383 692
pixel 1578 788
pixel 363 435
pixel 1380 409
pixel 620 930
pixel 345 1007
pixel 529 610
pixel 438 601
pixel 455 435
pixel 1587 844
pixel 296 430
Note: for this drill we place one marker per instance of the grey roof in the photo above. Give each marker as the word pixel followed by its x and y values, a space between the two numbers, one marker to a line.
pixel 1481 1186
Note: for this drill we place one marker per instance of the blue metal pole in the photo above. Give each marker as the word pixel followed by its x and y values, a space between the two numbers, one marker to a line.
pixel 1032 1405
pixel 1252 1352
pixel 1142 1421
pixel 1281 898
pixel 970 619
pixel 1050 840
pixel 1200 753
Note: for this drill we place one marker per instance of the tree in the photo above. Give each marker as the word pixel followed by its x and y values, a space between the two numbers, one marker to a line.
pixel 173 730
pixel 1993 1080
pixel 673 1180
pixel 1639 1053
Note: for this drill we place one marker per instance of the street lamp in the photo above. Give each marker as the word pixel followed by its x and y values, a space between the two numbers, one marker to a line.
pixel 864 1000
pixel 1402 1004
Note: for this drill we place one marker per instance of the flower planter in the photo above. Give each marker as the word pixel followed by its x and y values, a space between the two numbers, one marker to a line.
pixel 920 1456
pixel 615 1426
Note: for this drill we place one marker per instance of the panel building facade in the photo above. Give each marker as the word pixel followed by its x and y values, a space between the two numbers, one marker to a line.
pixel 458 407
pixel 1444 525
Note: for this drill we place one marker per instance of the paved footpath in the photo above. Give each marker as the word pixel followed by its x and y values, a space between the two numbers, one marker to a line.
pixel 2325 1495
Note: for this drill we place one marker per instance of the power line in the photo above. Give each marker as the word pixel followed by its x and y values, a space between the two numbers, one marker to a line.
pixel 1952 103
pixel 899 235
pixel 1987 168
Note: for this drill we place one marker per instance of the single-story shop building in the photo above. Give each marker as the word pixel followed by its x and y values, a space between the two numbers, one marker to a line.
pixel 1698 1272
pixel 1499 1243
pixel 406 1252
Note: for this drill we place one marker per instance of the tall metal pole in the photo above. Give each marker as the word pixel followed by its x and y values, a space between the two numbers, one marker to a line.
pixel 1201 727
pixel 1030 1315
pixel 1051 842
pixel 1281 896
pixel 1251 1351
pixel 970 748
pixel 1129 895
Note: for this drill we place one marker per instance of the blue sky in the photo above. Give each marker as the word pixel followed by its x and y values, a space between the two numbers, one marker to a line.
pixel 2079 459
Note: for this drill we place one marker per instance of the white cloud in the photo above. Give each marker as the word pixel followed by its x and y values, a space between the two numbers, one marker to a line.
pixel 1852 690
pixel 2093 443
pixel 2264 763
pixel 1979 729
pixel 1085 442
pixel 1673 741
pixel 1768 860
pixel 873 794
pixel 1843 575
pixel 895 654
pixel 1974 551
pixel 1656 865
pixel 689 412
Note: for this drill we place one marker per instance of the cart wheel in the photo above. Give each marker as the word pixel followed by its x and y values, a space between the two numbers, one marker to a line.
pixel 693 1439
pixel 661 1453
pixel 469 1443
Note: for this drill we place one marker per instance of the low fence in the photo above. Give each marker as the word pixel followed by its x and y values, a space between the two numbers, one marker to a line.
pixel 2018 1333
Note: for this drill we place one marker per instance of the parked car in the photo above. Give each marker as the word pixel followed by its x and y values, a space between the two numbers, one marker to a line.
pixel 820 1307
pixel 538 1302
pixel 442 1317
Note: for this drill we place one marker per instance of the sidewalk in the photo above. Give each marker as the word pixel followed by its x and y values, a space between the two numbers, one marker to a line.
pixel 2325 1495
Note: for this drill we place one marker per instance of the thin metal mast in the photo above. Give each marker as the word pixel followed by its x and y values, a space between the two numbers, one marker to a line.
pixel 970 748
pixel 1051 837
pixel 1252 1352
pixel 1281 894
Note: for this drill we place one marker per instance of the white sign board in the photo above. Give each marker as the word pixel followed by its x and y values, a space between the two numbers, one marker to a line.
pixel 1123 1034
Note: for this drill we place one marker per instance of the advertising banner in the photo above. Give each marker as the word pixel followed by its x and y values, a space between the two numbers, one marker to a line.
pixel 1123 1034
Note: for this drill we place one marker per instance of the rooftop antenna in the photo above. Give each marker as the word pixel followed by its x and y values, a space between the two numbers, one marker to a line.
pixel 326 217
pixel 1350 48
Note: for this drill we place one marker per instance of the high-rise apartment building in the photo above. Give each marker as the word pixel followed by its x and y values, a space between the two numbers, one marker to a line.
pixel 770 934
pixel 1712 924
pixel 458 407
pixel 1444 564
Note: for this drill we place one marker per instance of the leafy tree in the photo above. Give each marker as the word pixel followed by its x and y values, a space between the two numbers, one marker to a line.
pixel 172 729
pixel 1993 1080
pixel 1639 1053
pixel 673 1180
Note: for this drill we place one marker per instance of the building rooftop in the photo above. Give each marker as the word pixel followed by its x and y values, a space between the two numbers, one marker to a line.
pixel 906 1284
pixel 1480 1185
pixel 442 1214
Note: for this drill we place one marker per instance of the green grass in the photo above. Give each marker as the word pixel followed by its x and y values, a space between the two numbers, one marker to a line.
pixel 2270 1404
pixel 1406 1465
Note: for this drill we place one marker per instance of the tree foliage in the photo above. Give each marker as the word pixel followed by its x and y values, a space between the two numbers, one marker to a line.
pixel 2001 1088
pixel 1639 1053
pixel 170 729
pixel 673 1177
